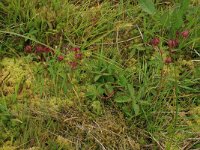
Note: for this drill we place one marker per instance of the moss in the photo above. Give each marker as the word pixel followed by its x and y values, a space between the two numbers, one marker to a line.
pixel 64 143
pixel 194 120
pixel 15 72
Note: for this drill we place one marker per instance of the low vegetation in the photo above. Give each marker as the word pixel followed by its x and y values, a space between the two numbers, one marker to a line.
pixel 99 75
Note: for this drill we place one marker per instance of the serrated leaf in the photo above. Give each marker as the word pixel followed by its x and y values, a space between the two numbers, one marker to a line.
pixel 147 6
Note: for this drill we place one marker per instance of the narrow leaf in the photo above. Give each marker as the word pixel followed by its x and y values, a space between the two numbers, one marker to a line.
pixel 122 99
pixel 131 91
pixel 136 109
pixel 184 6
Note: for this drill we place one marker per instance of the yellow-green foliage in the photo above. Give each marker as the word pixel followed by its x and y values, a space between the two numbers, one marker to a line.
pixel 194 120
pixel 13 71
pixel 65 143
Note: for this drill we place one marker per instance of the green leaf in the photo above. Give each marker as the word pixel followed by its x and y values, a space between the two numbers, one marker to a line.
pixel 147 6
pixel 131 91
pixel 178 14
pixel 164 19
pixel 100 90
pixel 122 81
pixel 177 20
pixel 123 99
pixel 127 111
pixel 136 109
pixel 109 88
pixel 95 40
pixel 109 78
pixel 184 6
pixel 97 77
pixel 96 107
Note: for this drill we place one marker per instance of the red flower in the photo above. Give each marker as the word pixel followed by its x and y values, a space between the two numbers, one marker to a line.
pixel 168 60
pixel 173 43
pixel 78 56
pixel 60 58
pixel 76 49
pixel 46 50
pixel 73 64
pixel 42 49
pixel 39 49
pixel 170 43
pixel 28 49
pixel 155 42
pixel 185 34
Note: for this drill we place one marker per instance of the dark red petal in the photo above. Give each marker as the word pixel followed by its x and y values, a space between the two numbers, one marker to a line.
pixel 39 49
pixel 168 60
pixel 73 64
pixel 75 49
pixel 60 58
pixel 173 43
pixel 185 34
pixel 78 56
pixel 46 50
pixel 155 42
pixel 28 49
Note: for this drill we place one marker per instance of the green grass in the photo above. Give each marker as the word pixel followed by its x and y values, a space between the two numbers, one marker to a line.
pixel 116 92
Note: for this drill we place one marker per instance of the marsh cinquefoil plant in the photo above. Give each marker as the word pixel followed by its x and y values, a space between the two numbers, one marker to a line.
pixel 97 75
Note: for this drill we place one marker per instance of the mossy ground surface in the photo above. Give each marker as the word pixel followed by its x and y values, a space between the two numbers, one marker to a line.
pixel 100 82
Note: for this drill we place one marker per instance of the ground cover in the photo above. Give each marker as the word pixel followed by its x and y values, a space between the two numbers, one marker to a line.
pixel 99 75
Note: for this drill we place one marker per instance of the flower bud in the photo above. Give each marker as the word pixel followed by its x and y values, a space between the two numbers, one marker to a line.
pixel 78 56
pixel 155 42
pixel 28 49
pixel 60 58
pixel 185 34
pixel 73 64
pixel 173 43
pixel 75 49
pixel 168 60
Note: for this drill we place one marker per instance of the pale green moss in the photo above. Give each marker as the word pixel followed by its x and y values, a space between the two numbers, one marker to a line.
pixel 13 72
